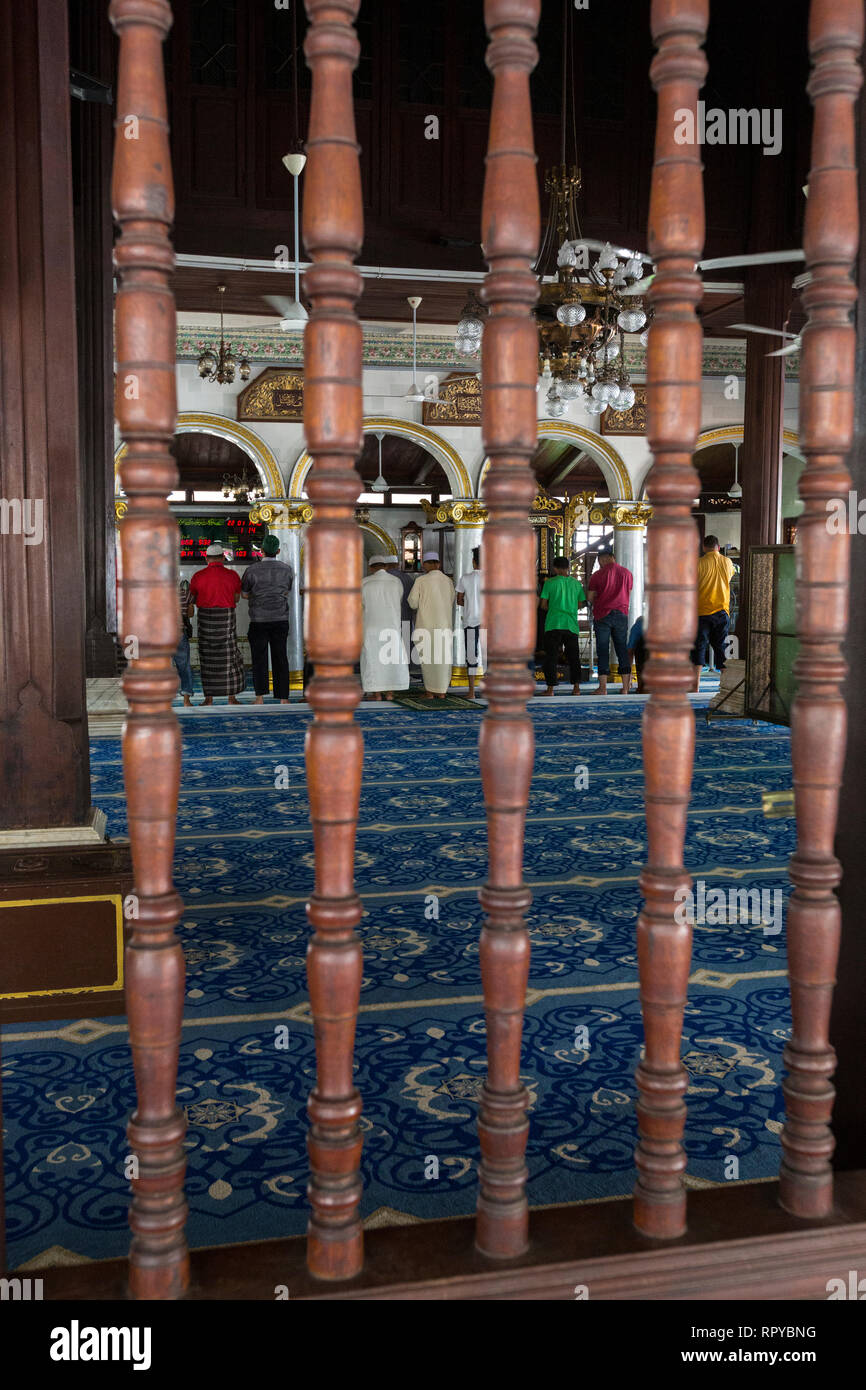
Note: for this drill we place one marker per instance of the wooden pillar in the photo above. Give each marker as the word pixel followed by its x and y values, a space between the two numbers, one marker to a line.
pixel 44 761
pixel 92 139
pixel 767 302
pixel 848 1021
pixel 510 232
pixel 146 408
pixel 818 721
pixel 333 415
pixel 674 368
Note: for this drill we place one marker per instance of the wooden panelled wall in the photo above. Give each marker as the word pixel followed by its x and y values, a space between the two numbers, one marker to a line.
pixel 333 235
pixel 233 120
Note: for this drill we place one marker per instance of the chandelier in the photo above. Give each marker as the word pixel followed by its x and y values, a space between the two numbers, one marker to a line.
pixel 584 311
pixel 223 367
pixel 239 488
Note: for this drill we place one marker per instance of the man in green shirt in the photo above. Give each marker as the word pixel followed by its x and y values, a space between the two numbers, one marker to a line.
pixel 561 597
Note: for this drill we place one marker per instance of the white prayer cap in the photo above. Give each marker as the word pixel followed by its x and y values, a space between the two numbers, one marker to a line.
pixel 431 555
pixel 378 560
pixel 214 549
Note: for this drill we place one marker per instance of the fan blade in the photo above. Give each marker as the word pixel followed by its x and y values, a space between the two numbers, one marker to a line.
pixel 754 328
pixel 279 303
pixel 786 351
pixel 759 258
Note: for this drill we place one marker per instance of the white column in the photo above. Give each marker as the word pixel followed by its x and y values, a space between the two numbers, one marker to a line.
pixel 468 532
pixel 628 547
pixel 286 521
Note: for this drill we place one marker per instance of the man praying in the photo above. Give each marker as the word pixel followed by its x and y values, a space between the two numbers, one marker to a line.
pixel 384 660
pixel 432 595
pixel 215 591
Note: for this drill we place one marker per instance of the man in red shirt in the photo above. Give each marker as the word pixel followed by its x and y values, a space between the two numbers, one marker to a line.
pixel 609 590
pixel 215 591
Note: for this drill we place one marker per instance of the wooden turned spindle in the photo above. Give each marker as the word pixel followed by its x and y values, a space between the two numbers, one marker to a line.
pixel 818 720
pixel 145 405
pixel 674 370
pixel 333 422
pixel 510 232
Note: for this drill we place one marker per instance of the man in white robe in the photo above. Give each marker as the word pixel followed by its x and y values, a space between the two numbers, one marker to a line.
pixel 384 661
pixel 432 595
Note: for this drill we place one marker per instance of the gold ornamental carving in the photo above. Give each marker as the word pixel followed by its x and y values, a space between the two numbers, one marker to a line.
pixel 631 421
pixel 630 515
pixel 465 514
pixel 458 402
pixel 276 394
pixel 281 514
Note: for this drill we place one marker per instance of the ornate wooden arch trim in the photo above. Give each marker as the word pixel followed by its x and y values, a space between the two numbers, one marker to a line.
pixel 387 541
pixel 197 422
pixel 609 461
pixel 443 452
pixel 733 434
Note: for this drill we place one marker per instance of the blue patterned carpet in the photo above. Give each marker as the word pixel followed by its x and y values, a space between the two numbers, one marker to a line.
pixel 244 867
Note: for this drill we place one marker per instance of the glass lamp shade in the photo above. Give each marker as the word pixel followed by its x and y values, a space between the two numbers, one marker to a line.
pixel 206 364
pixel 735 490
pixel 567 255
pixel 631 320
pixel 595 407
pixel 556 407
pixel 571 314
pixel 644 338
pixel 634 269
pixel 608 259
pixel 244 370
pixel 615 397
pixel 468 346
pixel 626 398
pixel 470 326
pixel 610 352
pixel 569 388
pixel 581 370
pixel 619 280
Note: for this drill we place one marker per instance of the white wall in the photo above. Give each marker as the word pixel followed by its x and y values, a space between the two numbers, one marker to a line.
pixel 384 395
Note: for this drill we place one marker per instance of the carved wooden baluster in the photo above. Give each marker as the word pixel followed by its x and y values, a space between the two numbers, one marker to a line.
pixel 818 722
pixel 333 415
pixel 510 231
pixel 145 406
pixel 676 235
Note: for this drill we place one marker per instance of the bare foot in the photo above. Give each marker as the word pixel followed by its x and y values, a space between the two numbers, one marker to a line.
pixel 284 702
pixel 187 701
pixel 575 690
pixel 208 700
pixel 233 700
pixel 259 700
pixel 548 691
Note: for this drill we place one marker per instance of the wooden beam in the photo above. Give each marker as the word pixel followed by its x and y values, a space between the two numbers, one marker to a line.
pixel 146 410
pixel 593 1245
pixel 333 423
pixel 819 715
pixel 674 369
pixel 510 232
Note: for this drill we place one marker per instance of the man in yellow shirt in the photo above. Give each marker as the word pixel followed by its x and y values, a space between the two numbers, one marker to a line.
pixel 714 606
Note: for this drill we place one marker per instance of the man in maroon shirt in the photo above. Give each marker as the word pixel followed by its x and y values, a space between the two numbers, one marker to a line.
pixel 215 591
pixel 609 590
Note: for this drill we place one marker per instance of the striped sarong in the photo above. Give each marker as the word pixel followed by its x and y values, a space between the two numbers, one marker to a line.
pixel 222 666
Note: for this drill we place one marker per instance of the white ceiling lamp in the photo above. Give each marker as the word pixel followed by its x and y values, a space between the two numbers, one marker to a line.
pixel 379 484
pixel 292 312
pixel 735 489
pixel 414 393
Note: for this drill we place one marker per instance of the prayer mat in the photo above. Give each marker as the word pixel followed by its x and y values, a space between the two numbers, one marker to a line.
pixel 411 699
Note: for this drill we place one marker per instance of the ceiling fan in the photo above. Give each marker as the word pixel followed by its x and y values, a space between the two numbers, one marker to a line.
pixel 787 351
pixel 379 484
